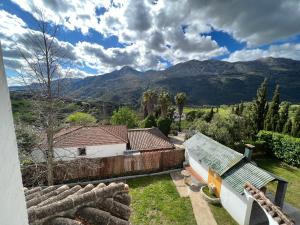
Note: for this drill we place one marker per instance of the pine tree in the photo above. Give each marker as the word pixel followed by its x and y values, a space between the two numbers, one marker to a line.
pixel 260 104
pixel 237 110
pixel 272 116
pixel 287 129
pixel 296 124
pixel 283 117
pixel 241 108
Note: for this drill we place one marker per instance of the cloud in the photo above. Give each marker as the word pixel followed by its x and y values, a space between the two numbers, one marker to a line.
pixel 287 50
pixel 151 30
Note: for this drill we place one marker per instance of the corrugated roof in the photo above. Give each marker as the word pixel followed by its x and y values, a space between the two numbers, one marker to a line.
pixel 148 139
pixel 213 154
pixel 245 172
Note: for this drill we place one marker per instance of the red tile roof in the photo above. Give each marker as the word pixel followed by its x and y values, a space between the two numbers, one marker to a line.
pixel 148 139
pixel 79 205
pixel 268 205
pixel 90 136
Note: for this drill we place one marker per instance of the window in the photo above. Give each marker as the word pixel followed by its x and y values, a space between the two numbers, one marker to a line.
pixel 81 151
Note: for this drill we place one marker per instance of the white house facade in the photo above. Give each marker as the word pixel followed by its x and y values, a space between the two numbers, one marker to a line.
pixel 12 207
pixel 86 142
pixel 229 171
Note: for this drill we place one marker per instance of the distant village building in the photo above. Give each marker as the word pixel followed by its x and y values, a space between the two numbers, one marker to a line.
pixel 239 183
pixel 103 141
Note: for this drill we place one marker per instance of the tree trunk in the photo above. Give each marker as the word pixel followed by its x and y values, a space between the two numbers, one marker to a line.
pixel 49 154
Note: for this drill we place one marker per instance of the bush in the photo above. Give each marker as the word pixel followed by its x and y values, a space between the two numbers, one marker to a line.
pixel 164 124
pixel 191 115
pixel 284 147
pixel 149 122
pixel 124 116
pixel 80 118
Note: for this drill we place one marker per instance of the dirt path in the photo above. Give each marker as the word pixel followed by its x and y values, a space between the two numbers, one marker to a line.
pixel 201 210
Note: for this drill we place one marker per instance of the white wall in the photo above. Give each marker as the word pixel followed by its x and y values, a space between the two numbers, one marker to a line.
pixel 71 153
pixel 234 203
pixel 12 200
pixel 202 170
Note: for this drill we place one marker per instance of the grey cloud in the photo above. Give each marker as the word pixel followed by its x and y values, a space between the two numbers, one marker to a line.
pixel 137 15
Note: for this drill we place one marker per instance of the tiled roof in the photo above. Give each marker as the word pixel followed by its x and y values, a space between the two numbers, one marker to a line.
pixel 88 205
pixel 117 130
pixel 148 139
pixel 245 172
pixel 213 154
pixel 90 136
pixel 273 210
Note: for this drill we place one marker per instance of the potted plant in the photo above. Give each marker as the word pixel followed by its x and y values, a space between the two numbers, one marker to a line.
pixel 209 194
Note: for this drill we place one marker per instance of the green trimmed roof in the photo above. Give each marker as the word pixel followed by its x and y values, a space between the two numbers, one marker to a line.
pixel 232 166
pixel 246 172
pixel 213 154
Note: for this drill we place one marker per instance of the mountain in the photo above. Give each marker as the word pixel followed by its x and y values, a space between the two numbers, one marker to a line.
pixel 210 82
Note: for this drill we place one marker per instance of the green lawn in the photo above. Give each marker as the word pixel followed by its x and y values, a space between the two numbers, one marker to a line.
pixel 155 201
pixel 291 174
pixel 221 215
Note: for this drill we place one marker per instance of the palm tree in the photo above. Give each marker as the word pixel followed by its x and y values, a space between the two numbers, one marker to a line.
pixel 180 100
pixel 164 102
pixel 149 101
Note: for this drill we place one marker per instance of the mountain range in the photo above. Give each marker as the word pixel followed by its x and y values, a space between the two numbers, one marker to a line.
pixel 209 82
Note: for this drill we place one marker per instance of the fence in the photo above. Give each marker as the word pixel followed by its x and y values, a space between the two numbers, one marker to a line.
pixel 101 168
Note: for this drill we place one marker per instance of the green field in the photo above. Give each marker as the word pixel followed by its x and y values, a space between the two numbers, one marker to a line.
pixel 155 200
pixel 221 215
pixel 290 174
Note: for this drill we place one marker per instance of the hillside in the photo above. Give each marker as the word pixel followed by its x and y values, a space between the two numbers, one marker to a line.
pixel 210 82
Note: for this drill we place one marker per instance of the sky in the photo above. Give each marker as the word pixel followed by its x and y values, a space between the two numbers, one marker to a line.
pixel 100 36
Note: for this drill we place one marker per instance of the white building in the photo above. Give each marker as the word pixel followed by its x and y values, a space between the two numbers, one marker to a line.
pixel 12 207
pixel 230 172
pixel 86 142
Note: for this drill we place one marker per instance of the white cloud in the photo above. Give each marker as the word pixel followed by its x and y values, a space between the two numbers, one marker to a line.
pixel 287 50
pixel 151 30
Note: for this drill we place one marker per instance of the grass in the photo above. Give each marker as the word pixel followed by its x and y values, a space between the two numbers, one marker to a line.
pixel 222 217
pixel 291 174
pixel 155 200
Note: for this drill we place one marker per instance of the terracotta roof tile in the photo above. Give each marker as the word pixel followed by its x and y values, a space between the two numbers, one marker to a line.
pixel 148 139
pixel 90 136
pixel 89 205
pixel 268 205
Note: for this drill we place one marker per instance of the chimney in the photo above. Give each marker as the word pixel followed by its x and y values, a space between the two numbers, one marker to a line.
pixel 248 151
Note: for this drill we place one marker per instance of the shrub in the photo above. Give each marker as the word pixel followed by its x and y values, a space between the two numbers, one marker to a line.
pixel 164 124
pixel 80 118
pixel 124 116
pixel 191 115
pixel 284 147
pixel 149 122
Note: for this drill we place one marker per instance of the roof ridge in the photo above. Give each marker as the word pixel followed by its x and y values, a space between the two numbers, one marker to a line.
pixel 79 127
pixel 120 138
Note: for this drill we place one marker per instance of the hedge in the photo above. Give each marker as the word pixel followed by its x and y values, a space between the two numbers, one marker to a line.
pixel 284 147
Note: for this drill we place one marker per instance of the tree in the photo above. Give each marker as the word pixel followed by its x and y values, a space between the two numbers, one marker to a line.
pixel 80 118
pixel 164 124
pixel 272 116
pixel 180 100
pixel 149 101
pixel 283 116
pixel 287 129
pixel 209 115
pixel 149 121
pixel 260 104
pixel 164 101
pixel 42 74
pixel 296 124
pixel 124 116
